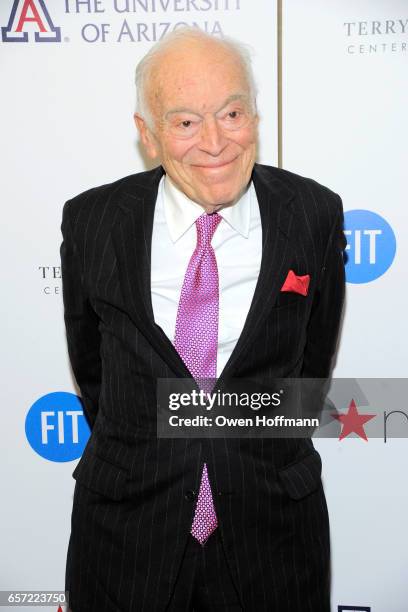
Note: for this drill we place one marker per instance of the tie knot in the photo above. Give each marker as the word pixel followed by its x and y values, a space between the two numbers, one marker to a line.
pixel 206 226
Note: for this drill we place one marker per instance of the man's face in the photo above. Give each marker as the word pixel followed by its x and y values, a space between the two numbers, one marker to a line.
pixel 205 129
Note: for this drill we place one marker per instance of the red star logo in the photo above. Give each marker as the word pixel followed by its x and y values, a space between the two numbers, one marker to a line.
pixel 353 421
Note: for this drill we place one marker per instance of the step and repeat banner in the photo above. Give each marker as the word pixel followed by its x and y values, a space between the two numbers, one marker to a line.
pixel 344 96
pixel 67 73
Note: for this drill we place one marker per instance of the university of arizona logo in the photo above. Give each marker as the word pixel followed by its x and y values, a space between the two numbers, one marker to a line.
pixel 28 16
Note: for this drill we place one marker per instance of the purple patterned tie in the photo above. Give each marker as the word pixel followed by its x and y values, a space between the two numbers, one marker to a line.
pixel 196 341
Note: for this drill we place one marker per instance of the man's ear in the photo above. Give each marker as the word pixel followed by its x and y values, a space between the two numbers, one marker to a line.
pixel 146 135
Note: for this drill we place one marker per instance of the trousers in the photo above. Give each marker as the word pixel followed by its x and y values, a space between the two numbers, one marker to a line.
pixel 204 582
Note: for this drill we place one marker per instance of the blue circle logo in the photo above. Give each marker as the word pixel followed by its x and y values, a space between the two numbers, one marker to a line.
pixel 56 427
pixel 371 245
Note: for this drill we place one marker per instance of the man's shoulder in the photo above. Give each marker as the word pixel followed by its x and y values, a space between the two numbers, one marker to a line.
pixel 299 184
pixel 111 193
pixel 314 205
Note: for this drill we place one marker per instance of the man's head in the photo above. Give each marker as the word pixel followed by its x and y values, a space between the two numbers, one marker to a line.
pixel 197 114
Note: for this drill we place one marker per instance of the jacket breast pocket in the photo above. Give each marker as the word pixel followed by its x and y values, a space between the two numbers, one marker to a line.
pixel 290 298
pixel 101 476
pixel 302 477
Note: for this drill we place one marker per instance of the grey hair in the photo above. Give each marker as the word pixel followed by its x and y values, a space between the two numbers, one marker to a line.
pixel 188 33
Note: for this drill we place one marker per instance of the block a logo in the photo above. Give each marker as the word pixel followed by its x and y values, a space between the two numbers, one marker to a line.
pixel 56 427
pixel 371 245
pixel 26 16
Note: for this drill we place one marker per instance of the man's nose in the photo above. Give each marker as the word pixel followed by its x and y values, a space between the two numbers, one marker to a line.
pixel 213 140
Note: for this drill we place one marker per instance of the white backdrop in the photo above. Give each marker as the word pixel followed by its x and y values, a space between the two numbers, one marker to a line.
pixel 66 125
pixel 345 125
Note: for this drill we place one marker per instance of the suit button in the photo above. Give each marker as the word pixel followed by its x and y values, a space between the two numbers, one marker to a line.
pixel 190 495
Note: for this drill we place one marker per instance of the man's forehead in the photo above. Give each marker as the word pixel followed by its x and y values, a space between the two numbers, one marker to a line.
pixel 204 87
pixel 187 78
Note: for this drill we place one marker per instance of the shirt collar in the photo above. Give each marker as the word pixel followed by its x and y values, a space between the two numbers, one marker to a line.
pixel 181 212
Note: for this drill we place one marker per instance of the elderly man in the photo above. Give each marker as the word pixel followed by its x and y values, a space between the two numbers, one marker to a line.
pixel 210 266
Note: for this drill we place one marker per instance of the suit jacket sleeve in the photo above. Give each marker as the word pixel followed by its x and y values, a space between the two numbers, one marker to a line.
pixel 324 322
pixel 81 323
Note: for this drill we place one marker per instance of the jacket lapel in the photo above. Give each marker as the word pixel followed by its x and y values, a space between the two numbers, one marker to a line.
pixel 274 198
pixel 132 240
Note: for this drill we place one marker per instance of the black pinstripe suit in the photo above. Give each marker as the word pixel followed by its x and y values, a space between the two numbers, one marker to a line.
pixel 135 495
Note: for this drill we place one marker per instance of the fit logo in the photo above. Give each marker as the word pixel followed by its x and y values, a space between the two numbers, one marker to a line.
pixel 371 245
pixel 56 427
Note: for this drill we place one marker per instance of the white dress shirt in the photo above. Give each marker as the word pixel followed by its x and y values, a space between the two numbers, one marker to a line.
pixel 237 244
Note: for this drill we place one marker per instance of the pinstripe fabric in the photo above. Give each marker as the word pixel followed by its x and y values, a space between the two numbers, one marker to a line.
pixel 135 495
pixel 204 581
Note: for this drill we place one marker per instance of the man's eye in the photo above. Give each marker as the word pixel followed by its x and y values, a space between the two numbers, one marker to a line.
pixel 186 123
pixel 233 114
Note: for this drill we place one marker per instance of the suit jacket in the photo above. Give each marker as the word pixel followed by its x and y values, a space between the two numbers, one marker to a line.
pixel 135 494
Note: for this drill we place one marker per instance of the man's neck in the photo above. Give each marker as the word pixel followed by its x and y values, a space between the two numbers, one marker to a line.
pixel 209 208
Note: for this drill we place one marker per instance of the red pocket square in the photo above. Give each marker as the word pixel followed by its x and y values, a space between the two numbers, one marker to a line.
pixel 298 284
